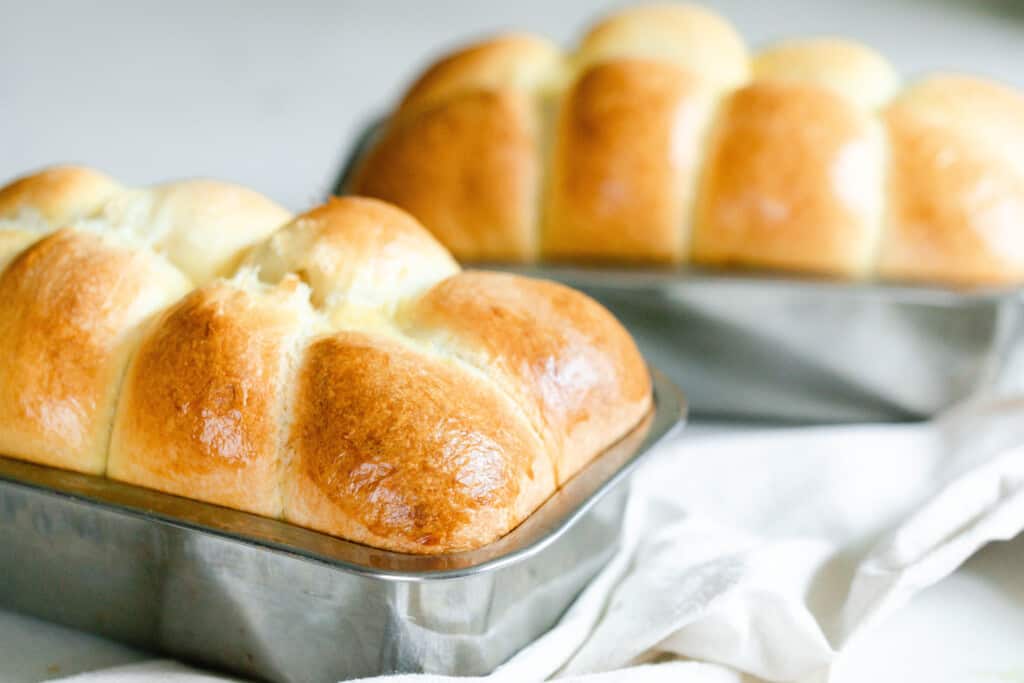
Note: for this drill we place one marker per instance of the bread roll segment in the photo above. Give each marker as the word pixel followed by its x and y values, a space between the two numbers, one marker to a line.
pixel 463 151
pixel 201 407
pixel 517 60
pixel 470 169
pixel 662 141
pixel 564 359
pixel 626 151
pixel 793 180
pixel 686 36
pixel 71 307
pixel 57 195
pixel 345 377
pixel 852 70
pixel 359 256
pixel 956 188
pixel 395 449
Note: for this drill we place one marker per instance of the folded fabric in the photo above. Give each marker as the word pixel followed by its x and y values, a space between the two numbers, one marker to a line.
pixel 766 553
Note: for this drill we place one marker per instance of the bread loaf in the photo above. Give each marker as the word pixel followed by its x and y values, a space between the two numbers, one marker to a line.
pixel 660 140
pixel 336 370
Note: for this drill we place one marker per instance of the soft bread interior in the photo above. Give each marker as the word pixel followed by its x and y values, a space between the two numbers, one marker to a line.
pixel 201 226
pixel 357 256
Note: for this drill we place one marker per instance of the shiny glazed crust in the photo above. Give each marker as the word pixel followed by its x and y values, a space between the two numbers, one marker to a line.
pixel 660 140
pixel 70 309
pixel 393 448
pixel 568 363
pixel 335 370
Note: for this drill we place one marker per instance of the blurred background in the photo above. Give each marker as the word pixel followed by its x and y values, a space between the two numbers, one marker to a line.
pixel 271 94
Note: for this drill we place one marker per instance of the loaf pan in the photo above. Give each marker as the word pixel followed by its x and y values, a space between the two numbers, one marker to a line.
pixel 756 346
pixel 265 599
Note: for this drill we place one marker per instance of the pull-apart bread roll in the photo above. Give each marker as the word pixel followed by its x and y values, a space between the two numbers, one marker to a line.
pixel 956 183
pixel 571 368
pixel 401 449
pixel 335 370
pixel 73 301
pixel 793 178
pixel 660 140
pixel 201 406
pixel 70 308
pixel 466 147
pixel 625 163
pixel 629 132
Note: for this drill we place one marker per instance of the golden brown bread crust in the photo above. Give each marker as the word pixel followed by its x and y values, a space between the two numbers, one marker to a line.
pixel 364 432
pixel 464 150
pixel 558 353
pixel 803 185
pixel 688 36
pixel 200 411
pixel 469 169
pixel 70 307
pixel 627 147
pixel 793 180
pixel 58 194
pixel 956 186
pixel 401 451
pixel 519 61
pixel 356 254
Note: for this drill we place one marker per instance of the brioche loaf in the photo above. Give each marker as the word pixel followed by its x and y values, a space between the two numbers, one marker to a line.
pixel 336 369
pixel 660 140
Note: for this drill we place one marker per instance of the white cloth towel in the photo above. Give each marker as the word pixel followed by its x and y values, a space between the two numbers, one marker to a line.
pixel 764 554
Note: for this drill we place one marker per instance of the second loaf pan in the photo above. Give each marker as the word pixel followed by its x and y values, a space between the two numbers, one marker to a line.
pixel 263 598
pixel 750 345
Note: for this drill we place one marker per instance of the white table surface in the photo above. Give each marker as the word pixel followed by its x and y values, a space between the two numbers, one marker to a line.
pixel 271 94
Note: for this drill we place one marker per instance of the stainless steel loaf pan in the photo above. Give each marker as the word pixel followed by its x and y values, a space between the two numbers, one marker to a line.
pixel 266 599
pixel 810 350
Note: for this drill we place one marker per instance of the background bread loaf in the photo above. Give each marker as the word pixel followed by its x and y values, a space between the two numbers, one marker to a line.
pixel 334 369
pixel 661 140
